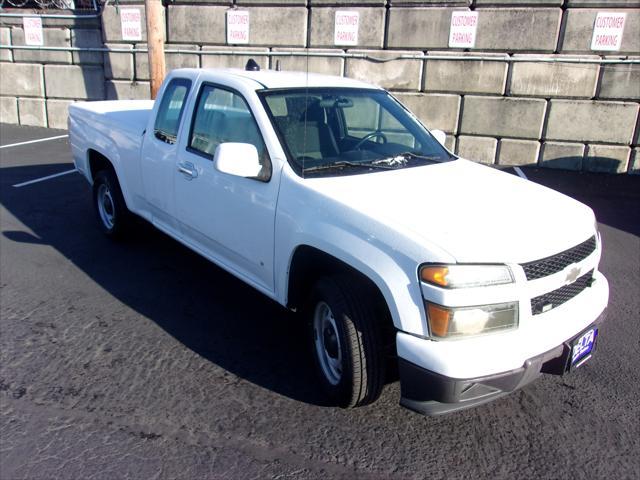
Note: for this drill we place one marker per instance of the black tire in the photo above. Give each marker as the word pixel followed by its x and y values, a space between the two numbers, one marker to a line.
pixel 361 378
pixel 112 213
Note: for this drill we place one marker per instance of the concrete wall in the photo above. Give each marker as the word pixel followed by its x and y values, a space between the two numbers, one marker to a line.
pixel 558 115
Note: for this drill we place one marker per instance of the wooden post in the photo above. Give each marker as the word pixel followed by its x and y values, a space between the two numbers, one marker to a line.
pixel 155 43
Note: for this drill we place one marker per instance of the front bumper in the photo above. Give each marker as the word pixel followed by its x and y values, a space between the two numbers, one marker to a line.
pixel 431 393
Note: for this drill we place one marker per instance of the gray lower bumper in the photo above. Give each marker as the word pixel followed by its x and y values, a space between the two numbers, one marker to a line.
pixel 430 393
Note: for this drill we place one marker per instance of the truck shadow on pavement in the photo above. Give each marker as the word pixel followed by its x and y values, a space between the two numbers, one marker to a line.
pixel 208 310
pixel 203 307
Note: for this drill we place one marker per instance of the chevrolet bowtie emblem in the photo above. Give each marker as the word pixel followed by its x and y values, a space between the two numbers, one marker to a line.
pixel 572 275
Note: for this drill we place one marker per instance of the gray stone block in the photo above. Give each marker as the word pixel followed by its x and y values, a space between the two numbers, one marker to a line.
pixel 503 117
pixel 5 39
pixel 119 65
pixel 8 110
pixel 85 38
pixel 324 65
pixel 21 79
pixel 413 3
pixel 465 76
pixel 478 149
pixel 607 159
pixel 71 81
pixel 271 2
pixel 553 79
pixel 579 30
pixel 233 60
pixel 393 75
pixel 435 111
pixel 225 3
pixel 197 24
pixel 370 30
pixel 52 37
pixel 417 27
pixel 112 25
pixel 141 60
pixel 57 113
pixel 115 90
pixel 592 121
pixel 53 21
pixel 620 81
pixel 172 60
pixel 518 152
pixel 378 3
pixel 276 27
pixel 634 165
pixel 450 143
pixel 565 156
pixel 518 29
pixel 268 26
pixel 602 3
pixel 181 60
pixel 536 3
pixel 32 111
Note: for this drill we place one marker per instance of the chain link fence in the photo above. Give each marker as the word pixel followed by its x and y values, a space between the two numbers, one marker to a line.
pixel 79 6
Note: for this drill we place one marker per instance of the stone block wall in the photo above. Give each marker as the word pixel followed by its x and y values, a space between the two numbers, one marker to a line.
pixel 506 108
pixel 36 86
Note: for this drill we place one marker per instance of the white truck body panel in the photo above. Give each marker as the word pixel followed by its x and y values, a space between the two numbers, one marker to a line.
pixel 383 224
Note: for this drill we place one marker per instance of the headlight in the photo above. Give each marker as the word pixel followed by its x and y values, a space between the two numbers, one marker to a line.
pixel 462 276
pixel 445 322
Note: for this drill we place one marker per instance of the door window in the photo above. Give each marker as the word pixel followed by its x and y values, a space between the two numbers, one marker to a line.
pixel 223 116
pixel 170 111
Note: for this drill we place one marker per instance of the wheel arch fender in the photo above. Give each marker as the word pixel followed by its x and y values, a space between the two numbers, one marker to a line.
pixel 98 159
pixel 312 257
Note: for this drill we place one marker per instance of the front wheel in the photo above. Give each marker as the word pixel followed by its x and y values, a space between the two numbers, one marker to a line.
pixel 111 210
pixel 345 332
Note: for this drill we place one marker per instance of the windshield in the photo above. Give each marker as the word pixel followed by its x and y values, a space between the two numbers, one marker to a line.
pixel 338 131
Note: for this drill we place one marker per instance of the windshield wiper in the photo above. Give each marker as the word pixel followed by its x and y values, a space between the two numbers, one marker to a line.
pixel 345 163
pixel 401 159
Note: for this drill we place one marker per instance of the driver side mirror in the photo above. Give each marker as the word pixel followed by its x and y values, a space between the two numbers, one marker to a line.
pixel 440 136
pixel 238 159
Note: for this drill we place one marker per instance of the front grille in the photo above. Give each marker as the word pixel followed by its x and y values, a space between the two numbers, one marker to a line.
pixel 553 299
pixel 560 261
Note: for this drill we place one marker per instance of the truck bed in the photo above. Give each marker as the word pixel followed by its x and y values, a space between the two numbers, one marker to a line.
pixel 113 129
pixel 131 115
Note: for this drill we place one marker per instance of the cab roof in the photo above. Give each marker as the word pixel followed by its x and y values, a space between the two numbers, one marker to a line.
pixel 281 79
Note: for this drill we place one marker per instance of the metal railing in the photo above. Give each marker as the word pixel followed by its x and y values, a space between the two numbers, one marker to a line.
pixel 363 56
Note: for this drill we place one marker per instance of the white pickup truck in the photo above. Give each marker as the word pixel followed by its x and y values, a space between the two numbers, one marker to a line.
pixel 332 199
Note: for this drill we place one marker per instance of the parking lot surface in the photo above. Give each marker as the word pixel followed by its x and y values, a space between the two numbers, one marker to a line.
pixel 143 360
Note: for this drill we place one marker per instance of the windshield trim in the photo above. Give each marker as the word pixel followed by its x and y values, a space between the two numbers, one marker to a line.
pixel 295 166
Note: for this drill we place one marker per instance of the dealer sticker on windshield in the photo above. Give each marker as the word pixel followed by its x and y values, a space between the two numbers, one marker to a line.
pixel 582 347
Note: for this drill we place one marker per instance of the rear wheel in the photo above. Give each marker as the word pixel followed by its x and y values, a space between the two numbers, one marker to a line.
pixel 345 333
pixel 111 210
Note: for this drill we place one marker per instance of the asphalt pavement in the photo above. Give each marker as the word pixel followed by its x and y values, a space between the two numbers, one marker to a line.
pixel 142 360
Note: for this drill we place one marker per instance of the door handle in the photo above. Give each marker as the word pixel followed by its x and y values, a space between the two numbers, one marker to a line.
pixel 188 169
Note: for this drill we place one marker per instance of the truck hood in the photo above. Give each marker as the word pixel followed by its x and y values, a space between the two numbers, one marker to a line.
pixel 473 212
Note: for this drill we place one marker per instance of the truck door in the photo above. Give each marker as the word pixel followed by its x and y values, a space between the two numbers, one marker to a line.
pixel 228 218
pixel 159 155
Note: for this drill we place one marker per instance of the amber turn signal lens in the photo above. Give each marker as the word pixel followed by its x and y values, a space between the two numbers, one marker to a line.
pixel 435 274
pixel 438 320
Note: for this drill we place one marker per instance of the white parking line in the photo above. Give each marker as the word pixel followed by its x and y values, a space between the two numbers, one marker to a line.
pixel 48 177
pixel 520 173
pixel 33 141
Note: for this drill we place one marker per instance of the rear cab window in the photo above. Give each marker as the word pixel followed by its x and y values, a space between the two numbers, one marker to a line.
pixel 171 110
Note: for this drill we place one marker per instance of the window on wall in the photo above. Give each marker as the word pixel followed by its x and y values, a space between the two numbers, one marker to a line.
pixel 223 116
pixel 170 111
